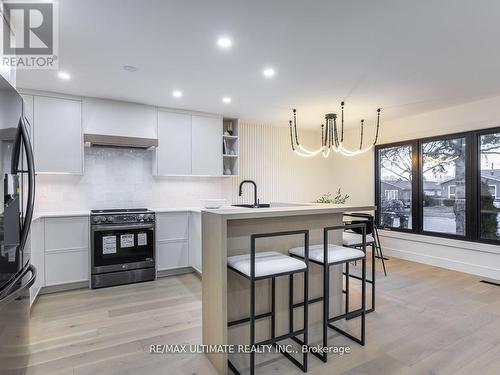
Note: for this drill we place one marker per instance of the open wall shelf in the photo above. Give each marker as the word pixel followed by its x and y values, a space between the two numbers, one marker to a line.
pixel 230 147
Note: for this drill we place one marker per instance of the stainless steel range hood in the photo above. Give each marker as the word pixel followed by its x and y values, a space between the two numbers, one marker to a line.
pixel 119 141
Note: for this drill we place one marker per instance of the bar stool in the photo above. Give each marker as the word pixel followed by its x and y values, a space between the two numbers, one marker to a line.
pixel 327 255
pixel 269 265
pixel 352 238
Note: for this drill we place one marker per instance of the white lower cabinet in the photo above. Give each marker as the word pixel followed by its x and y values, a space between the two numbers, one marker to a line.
pixel 37 256
pixel 178 240
pixel 172 255
pixel 66 267
pixel 67 249
pixel 172 240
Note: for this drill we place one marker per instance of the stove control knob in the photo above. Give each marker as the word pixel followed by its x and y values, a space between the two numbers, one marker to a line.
pixel 109 219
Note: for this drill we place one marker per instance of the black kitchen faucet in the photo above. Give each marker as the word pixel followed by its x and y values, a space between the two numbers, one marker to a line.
pixel 255 200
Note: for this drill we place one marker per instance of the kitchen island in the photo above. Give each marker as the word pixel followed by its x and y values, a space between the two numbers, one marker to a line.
pixel 226 232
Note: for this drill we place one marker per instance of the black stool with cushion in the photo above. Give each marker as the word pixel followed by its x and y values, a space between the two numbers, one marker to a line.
pixel 352 238
pixel 269 265
pixel 327 255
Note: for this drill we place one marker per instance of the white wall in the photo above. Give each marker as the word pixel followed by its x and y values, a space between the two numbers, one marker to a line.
pixel 356 176
pixel 122 177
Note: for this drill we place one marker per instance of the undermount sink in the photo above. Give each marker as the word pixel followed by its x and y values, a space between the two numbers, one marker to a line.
pixel 260 205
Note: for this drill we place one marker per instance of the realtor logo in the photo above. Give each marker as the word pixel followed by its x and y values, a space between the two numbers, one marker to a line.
pixel 29 35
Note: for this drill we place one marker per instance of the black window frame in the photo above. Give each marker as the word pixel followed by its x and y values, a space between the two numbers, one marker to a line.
pixel 472 185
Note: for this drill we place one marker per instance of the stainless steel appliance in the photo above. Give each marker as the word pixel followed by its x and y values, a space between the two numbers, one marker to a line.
pixel 122 246
pixel 17 188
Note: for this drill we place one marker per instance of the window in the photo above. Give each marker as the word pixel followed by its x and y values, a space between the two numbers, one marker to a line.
pixel 391 194
pixel 395 186
pixel 493 191
pixel 489 161
pixel 451 191
pixel 446 186
pixel 443 164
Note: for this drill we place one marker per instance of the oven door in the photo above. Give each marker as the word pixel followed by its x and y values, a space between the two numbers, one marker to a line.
pixel 122 247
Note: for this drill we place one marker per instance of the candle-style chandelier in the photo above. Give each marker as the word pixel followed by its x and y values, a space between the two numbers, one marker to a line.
pixel 330 139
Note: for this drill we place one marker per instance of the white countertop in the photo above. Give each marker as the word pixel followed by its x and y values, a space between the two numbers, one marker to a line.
pixel 42 214
pixel 70 213
pixel 232 213
pixel 277 209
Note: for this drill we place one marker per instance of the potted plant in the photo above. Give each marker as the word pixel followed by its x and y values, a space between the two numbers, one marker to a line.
pixel 337 199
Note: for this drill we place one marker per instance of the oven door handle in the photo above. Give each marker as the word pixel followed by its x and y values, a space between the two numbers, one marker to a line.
pixel 96 228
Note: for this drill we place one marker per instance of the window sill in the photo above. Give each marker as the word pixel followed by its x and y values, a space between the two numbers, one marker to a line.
pixel 466 245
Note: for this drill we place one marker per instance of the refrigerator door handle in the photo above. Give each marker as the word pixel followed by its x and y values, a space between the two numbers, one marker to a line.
pixel 22 136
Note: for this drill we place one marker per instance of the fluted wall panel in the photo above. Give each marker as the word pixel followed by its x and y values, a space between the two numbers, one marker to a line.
pixel 281 175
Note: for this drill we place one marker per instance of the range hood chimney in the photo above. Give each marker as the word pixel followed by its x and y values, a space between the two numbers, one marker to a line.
pixel 119 141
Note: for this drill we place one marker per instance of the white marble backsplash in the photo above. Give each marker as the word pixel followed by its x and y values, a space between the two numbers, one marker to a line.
pixel 117 178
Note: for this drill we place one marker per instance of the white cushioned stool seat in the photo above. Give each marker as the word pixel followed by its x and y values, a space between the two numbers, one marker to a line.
pixel 266 263
pixel 336 253
pixel 353 239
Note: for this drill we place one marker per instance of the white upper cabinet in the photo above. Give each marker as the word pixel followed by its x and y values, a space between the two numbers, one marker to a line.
pixel 206 144
pixel 173 154
pixel 110 117
pixel 58 141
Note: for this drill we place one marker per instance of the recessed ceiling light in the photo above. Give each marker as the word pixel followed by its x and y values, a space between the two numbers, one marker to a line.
pixel 268 72
pixel 226 100
pixel 224 42
pixel 63 75
pixel 129 68
pixel 176 93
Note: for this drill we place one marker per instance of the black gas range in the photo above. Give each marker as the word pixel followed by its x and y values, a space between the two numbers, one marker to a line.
pixel 122 246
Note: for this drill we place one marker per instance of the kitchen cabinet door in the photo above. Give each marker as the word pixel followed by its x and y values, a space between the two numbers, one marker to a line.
pixel 172 226
pixel 206 145
pixel 195 241
pixel 113 117
pixel 58 141
pixel 173 154
pixel 66 250
pixel 171 255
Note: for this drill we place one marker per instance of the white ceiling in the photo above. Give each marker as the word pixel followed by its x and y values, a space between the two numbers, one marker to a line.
pixel 405 56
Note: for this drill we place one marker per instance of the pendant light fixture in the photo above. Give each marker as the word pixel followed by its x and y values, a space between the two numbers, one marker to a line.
pixel 330 139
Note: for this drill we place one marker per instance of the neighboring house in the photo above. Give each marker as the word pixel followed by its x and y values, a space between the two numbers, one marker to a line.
pixel 401 190
pixel 396 190
pixel 449 188
pixel 490 177
pixel 432 189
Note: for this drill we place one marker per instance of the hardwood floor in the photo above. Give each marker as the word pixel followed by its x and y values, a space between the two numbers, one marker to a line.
pixel 428 321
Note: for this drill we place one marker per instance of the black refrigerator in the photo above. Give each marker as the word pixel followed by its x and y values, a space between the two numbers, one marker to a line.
pixel 17 275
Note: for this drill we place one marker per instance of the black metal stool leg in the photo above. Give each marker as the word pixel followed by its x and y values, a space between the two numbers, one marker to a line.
pixel 347 287
pixel 306 318
pixel 290 303
pixel 373 277
pixel 252 326
pixel 377 240
pixel 326 307
pixel 363 302
pixel 273 307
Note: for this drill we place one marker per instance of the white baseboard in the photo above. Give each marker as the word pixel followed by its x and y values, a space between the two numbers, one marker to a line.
pixel 475 269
